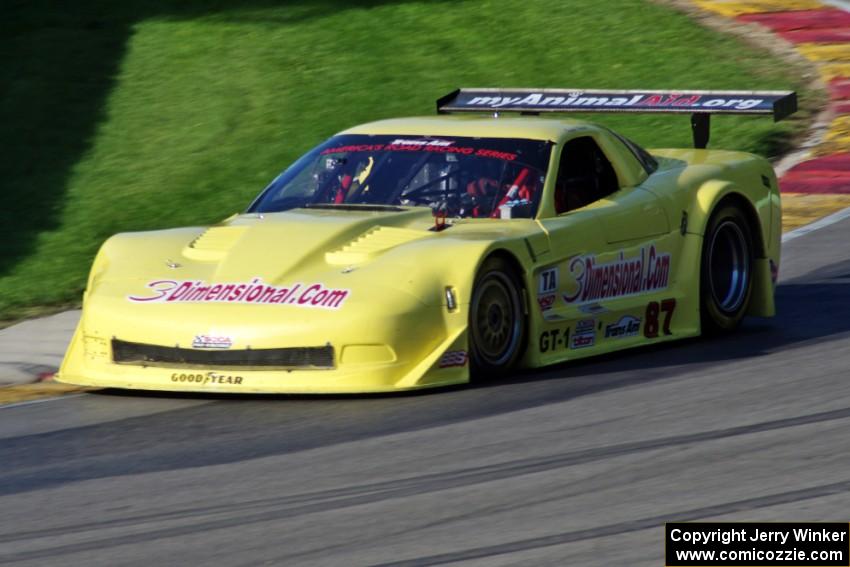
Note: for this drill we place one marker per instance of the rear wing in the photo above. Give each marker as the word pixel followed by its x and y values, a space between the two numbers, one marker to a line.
pixel 699 104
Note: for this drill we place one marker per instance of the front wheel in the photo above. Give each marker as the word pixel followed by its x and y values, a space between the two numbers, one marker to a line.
pixel 727 267
pixel 497 325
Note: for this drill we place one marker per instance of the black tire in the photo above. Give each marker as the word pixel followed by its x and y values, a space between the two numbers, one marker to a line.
pixel 726 275
pixel 497 322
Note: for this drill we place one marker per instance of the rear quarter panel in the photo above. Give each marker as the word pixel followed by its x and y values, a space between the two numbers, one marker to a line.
pixel 694 182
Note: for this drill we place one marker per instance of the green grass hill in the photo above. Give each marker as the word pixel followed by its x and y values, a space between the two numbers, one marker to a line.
pixel 137 115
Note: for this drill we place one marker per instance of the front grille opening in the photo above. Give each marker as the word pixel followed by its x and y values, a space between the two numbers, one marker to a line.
pixel 124 352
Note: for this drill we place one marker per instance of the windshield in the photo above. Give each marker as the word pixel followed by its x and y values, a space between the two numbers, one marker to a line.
pixel 458 176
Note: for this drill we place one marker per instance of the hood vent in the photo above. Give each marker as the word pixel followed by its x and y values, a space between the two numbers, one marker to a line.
pixel 372 243
pixel 214 242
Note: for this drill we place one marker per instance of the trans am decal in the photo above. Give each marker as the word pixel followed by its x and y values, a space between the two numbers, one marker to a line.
pixel 546 288
pixel 649 271
pixel 255 291
pixel 548 281
pixel 627 326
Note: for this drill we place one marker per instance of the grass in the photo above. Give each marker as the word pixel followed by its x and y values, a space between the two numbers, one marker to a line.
pixel 138 115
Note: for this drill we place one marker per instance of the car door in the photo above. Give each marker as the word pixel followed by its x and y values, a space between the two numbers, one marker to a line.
pixel 610 251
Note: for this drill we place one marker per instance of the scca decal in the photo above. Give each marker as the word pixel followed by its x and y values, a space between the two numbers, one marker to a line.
pixel 255 291
pixel 453 358
pixel 207 341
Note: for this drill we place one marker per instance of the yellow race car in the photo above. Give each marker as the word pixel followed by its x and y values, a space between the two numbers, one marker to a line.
pixel 418 252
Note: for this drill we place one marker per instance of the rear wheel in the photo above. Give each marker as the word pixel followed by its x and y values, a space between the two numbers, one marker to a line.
pixel 497 325
pixel 727 269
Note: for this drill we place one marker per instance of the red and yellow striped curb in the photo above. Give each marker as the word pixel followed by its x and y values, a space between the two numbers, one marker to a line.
pixel 733 9
pixel 820 33
pixel 800 209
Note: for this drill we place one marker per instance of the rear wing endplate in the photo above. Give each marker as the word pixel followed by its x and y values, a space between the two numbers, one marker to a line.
pixel 699 104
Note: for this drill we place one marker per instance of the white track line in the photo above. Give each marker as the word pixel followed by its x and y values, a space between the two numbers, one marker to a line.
pixel 40 401
pixel 840 4
pixel 817 225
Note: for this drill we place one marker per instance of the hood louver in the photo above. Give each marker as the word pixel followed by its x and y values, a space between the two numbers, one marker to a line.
pixel 214 243
pixel 373 243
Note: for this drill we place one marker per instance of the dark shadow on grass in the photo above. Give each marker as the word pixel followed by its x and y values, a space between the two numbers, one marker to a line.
pixel 58 64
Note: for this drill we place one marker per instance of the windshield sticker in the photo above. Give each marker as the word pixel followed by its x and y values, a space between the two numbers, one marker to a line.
pixel 198 291
pixel 443 146
pixel 422 142
pixel 649 271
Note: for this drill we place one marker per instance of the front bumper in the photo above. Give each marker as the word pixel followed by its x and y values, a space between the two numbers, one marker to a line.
pixel 394 354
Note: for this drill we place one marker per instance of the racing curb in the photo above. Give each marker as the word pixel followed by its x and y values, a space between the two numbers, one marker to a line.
pixel 24 393
pixel 30 354
pixel 818 184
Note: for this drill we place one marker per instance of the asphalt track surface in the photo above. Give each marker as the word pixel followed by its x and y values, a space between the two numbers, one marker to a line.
pixel 579 464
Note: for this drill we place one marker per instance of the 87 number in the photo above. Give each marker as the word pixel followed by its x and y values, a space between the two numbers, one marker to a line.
pixel 653 309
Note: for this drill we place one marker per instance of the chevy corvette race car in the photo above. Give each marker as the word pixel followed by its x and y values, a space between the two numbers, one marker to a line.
pixel 414 253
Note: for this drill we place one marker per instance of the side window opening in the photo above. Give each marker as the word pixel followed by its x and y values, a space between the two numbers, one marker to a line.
pixel 584 175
